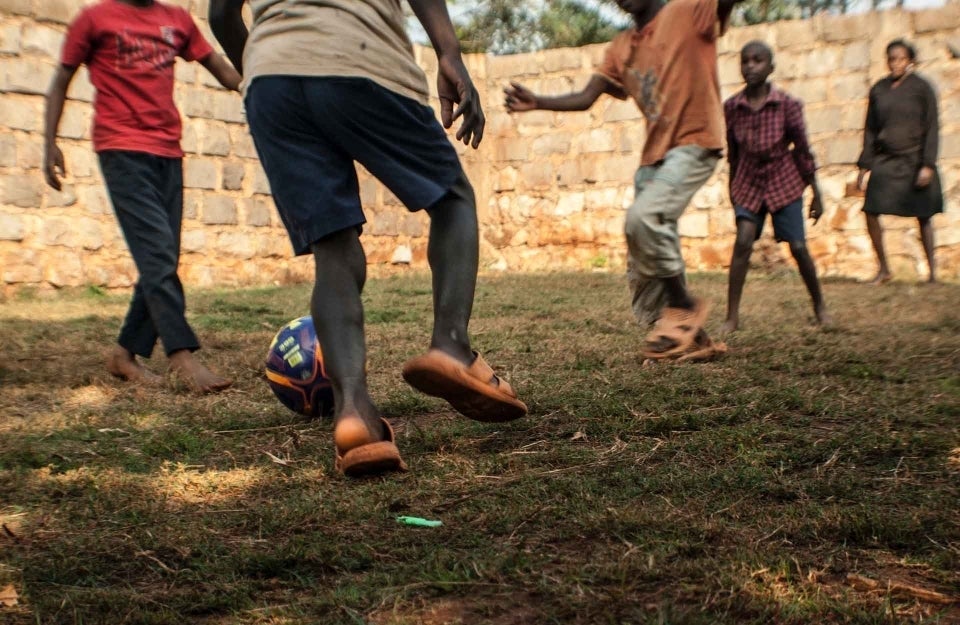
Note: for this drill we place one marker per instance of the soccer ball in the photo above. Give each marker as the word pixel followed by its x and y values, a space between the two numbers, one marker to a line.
pixel 295 370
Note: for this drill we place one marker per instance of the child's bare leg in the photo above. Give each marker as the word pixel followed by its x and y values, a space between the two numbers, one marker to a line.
pixel 876 237
pixel 337 310
pixel 453 254
pixel 195 374
pixel 809 274
pixel 123 364
pixel 739 265
pixel 926 236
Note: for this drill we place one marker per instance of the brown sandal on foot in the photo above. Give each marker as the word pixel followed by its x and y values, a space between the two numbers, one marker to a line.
pixel 679 326
pixel 365 458
pixel 474 391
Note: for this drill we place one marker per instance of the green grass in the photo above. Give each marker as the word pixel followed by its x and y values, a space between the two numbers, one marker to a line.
pixel 761 488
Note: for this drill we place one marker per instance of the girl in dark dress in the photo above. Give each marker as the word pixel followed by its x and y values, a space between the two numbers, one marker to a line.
pixel 900 141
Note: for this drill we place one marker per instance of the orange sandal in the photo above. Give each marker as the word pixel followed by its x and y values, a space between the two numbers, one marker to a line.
pixel 679 326
pixel 474 391
pixel 357 455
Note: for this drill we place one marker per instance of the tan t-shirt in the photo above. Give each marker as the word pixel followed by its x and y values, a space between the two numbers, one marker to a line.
pixel 362 38
pixel 670 68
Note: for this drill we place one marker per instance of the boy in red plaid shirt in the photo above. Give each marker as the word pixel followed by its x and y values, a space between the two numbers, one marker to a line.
pixel 770 166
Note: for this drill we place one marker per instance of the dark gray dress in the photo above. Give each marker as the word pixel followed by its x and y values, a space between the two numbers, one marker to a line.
pixel 900 136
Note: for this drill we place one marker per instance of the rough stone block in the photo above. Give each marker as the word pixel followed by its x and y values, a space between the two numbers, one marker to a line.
pixel 192 201
pixel 848 27
pixel 57 231
pixel 847 87
pixel 597 140
pixel 513 149
pixel 810 91
pixel 823 119
pixel 369 189
pixel 821 61
pixel 66 271
pixel 81 89
pixel 568 173
pixel 553 143
pixel 216 138
pixel 93 198
pixel 233 174
pixel 842 149
pixel 621 110
pixel 242 143
pixel 505 180
pixel 193 241
pixel 26 75
pixel 258 211
pixel 950 145
pixel 219 209
pixel 228 106
pixel 21 112
pixel 199 174
pixel 75 121
pixel 22 191
pixel 794 34
pixel 856 56
pixel 412 224
pixel 260 182
pixel 185 72
pixel 568 204
pixel 8 150
pixel 384 223
pixel 944 18
pixel 16 7
pixel 194 102
pixel 59 11
pixel 561 59
pixel 22 268
pixel 537 175
pixel 89 233
pixel 190 136
pixel 29 153
pixel 12 227
pixel 236 245
pixel 41 39
pixel 67 196
pixel 10 38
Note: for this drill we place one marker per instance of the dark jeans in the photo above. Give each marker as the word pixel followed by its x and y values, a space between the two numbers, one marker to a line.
pixel 147 196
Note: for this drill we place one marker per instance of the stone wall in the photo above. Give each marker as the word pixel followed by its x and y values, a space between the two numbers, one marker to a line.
pixel 551 187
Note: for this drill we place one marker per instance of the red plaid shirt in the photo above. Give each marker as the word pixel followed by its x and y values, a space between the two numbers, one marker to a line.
pixel 770 158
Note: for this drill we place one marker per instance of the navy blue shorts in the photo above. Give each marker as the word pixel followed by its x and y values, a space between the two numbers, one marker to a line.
pixel 309 131
pixel 787 222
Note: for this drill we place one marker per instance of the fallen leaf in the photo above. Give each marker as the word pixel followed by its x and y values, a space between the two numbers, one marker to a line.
pixel 579 436
pixel 8 596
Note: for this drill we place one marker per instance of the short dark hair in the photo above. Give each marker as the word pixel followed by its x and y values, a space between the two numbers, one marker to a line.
pixel 761 45
pixel 902 43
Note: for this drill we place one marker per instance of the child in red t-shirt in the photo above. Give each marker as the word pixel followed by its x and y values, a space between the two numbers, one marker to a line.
pixel 129 47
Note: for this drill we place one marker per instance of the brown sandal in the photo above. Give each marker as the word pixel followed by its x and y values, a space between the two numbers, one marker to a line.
pixel 356 458
pixel 474 391
pixel 678 325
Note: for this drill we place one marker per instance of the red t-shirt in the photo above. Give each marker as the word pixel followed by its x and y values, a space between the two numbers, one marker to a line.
pixel 130 52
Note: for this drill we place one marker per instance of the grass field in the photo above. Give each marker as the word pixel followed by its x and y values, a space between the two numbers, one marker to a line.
pixel 808 477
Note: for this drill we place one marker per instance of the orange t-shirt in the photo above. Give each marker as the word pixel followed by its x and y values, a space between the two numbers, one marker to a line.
pixel 670 68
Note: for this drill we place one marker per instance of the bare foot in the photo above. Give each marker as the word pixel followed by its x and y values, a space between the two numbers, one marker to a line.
pixel 729 326
pixel 199 378
pixel 824 320
pixel 882 277
pixel 124 365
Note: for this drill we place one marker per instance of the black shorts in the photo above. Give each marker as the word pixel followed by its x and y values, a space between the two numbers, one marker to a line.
pixel 309 132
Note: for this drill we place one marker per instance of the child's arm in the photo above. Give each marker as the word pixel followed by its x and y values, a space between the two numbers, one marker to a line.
pixel 53 165
pixel 870 129
pixel 226 22
pixel 222 71
pixel 733 151
pixel 519 98
pixel 796 133
pixel 931 137
pixel 454 85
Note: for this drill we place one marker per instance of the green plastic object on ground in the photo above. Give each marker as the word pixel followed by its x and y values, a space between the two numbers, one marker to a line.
pixel 415 520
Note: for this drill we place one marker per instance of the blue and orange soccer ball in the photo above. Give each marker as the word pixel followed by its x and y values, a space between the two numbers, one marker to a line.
pixel 295 370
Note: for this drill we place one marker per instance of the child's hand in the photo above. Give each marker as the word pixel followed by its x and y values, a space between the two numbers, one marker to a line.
pixel 454 86
pixel 924 177
pixel 862 179
pixel 816 208
pixel 53 166
pixel 519 98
